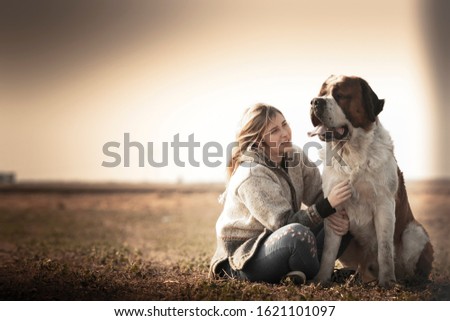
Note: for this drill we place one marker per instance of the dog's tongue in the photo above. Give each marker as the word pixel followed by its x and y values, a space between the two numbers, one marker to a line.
pixel 340 130
pixel 319 130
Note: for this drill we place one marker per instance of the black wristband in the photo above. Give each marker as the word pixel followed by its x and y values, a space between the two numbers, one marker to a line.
pixel 324 208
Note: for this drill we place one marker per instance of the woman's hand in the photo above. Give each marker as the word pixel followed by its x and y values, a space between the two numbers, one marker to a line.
pixel 340 193
pixel 339 222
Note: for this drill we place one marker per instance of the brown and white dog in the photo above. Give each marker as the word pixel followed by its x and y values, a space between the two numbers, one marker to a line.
pixel 388 243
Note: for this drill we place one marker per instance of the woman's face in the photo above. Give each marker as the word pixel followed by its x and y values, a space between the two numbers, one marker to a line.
pixel 277 137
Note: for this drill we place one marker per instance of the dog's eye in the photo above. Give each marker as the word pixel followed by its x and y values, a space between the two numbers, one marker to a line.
pixel 340 96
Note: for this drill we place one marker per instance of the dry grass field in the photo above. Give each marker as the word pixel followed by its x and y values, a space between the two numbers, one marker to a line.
pixel 145 242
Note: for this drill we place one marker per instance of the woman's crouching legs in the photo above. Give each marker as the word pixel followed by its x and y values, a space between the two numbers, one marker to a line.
pixel 290 248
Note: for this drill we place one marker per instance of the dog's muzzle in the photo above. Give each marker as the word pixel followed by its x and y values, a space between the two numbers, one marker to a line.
pixel 318 107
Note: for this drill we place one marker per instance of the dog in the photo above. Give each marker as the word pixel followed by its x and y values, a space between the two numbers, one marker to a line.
pixel 388 243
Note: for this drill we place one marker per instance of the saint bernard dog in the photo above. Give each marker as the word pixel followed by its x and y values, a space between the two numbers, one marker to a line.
pixel 388 243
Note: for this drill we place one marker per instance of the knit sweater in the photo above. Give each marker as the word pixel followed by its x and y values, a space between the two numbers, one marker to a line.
pixel 262 197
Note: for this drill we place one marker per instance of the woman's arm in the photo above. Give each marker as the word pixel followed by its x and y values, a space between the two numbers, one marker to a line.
pixel 263 197
pixel 339 222
pixel 312 182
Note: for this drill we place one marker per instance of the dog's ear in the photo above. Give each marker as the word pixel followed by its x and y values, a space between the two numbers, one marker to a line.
pixel 330 78
pixel 372 104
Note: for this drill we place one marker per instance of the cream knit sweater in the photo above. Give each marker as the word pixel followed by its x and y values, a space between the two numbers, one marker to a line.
pixel 260 198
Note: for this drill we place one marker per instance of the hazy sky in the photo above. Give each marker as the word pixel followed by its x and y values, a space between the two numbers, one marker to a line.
pixel 75 75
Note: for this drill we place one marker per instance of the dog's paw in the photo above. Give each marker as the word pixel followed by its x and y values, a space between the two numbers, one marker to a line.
pixel 387 280
pixel 323 284
pixel 387 283
pixel 323 281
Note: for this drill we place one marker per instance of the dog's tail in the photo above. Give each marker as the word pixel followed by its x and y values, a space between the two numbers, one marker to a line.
pixel 425 262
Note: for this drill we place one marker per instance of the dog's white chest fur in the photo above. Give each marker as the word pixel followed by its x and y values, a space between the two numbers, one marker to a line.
pixel 372 171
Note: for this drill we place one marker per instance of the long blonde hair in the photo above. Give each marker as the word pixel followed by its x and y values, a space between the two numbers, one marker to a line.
pixel 253 126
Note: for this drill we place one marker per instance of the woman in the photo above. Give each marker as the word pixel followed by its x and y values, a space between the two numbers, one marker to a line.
pixel 262 234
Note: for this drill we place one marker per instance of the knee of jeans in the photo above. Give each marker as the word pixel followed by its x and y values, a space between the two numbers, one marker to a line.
pixel 301 235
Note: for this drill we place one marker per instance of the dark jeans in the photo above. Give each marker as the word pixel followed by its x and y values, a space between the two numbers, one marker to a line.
pixel 293 247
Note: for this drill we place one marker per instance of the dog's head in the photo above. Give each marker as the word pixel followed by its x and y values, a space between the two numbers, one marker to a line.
pixel 343 104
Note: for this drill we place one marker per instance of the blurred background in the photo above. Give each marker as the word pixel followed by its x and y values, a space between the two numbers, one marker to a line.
pixel 75 75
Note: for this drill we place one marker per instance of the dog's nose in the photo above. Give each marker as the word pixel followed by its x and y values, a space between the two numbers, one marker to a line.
pixel 318 104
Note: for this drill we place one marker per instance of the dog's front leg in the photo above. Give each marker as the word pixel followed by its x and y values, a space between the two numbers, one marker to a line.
pixel 329 254
pixel 385 227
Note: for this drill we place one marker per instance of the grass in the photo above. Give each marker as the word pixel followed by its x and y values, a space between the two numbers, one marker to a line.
pixel 145 246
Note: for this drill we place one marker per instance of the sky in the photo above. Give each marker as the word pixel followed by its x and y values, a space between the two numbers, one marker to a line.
pixel 81 79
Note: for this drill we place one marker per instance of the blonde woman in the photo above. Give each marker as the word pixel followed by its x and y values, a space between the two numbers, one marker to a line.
pixel 262 232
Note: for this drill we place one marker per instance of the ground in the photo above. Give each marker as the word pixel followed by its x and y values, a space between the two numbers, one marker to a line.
pixel 148 242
